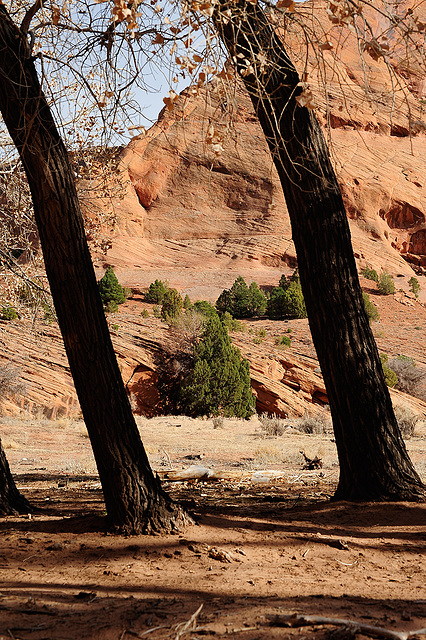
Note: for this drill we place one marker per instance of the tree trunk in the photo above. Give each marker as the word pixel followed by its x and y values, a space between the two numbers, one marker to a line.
pixel 11 501
pixel 134 499
pixel 374 463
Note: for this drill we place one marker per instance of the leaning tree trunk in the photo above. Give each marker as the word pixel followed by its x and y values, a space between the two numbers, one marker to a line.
pixel 134 499
pixel 11 501
pixel 374 463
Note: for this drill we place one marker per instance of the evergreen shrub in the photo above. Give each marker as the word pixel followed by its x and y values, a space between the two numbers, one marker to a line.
pixel 219 383
pixel 287 299
pixel 172 305
pixel 8 313
pixel 111 291
pixel 390 376
pixel 242 301
pixel 386 285
pixel 370 274
pixel 370 308
pixel 156 292
pixel 414 286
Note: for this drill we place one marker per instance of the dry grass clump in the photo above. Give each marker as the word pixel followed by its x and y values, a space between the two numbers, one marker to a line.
pixel 409 375
pixel 10 381
pixel 218 422
pixel 272 425
pixel 268 454
pixel 316 424
pixel 407 419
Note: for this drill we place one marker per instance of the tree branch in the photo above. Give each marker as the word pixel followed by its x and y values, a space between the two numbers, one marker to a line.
pixel 295 620
pixel 25 24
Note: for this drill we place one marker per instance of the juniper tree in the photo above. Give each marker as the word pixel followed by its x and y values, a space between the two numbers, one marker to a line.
pixel 220 381
pixel 111 291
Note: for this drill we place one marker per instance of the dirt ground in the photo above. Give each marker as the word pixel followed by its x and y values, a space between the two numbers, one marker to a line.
pixel 266 541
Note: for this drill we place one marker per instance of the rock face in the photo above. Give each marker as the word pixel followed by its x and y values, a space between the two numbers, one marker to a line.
pixel 286 381
pixel 187 206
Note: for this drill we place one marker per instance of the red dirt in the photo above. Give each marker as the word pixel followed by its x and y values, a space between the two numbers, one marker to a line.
pixel 291 549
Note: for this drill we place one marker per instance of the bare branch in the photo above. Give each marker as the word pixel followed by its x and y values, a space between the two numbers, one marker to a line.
pixel 25 24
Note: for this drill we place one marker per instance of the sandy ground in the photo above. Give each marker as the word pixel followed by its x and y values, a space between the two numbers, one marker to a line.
pixel 262 544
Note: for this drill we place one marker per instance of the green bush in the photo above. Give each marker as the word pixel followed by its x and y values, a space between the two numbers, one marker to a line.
pixel 172 305
pixel 284 340
pixel 370 274
pixel 231 324
pixel 156 310
pixel 390 375
pixel 386 285
pixel 187 304
pixel 112 293
pixel 204 307
pixel 287 299
pixel 8 313
pixel 242 301
pixel 370 308
pixel 219 383
pixel 414 286
pixel 156 292
pixel 145 313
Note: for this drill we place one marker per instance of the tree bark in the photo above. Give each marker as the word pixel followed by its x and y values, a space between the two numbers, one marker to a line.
pixel 135 501
pixel 374 463
pixel 11 501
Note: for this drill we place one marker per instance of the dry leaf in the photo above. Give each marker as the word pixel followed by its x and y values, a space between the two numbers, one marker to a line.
pixel 286 4
pixel 158 39
pixel 305 99
pixel 374 49
pixel 56 15
pixel 170 100
pixel 206 9
pixel 224 75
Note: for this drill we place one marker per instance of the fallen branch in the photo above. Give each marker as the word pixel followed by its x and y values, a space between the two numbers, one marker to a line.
pixel 189 625
pixel 296 620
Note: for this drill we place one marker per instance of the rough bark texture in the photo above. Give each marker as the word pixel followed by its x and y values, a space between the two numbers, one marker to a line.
pixel 374 463
pixel 134 499
pixel 11 501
